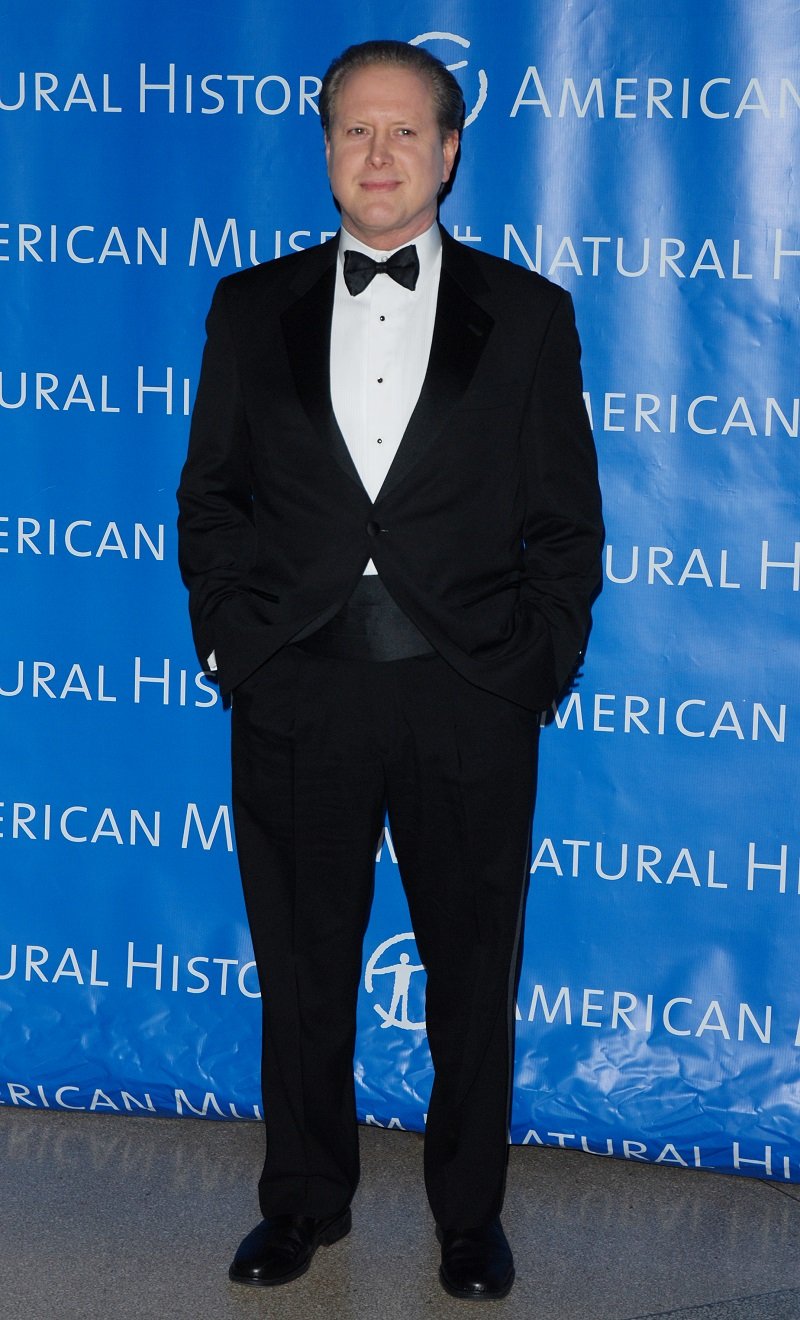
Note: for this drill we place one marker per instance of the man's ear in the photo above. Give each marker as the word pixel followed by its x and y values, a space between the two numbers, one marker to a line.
pixel 450 150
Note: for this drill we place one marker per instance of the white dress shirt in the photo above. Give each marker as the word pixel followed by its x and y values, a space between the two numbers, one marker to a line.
pixel 380 346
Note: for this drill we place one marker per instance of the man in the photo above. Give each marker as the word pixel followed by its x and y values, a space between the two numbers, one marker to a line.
pixel 390 529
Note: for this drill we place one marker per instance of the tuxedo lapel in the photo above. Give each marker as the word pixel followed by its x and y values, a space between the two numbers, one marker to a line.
pixel 307 331
pixel 460 332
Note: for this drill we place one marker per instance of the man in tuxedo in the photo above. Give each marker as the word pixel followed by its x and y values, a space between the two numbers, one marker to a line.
pixel 390 529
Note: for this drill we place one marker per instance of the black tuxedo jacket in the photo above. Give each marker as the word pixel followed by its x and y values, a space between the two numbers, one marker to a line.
pixel 487 530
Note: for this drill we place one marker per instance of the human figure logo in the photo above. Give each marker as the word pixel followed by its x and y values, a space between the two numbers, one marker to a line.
pixel 403 970
pixel 483 81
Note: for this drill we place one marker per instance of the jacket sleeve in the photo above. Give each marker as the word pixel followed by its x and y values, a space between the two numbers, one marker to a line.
pixel 563 532
pixel 216 533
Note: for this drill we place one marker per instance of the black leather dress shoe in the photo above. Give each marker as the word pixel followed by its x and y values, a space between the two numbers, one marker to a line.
pixel 476 1262
pixel 280 1249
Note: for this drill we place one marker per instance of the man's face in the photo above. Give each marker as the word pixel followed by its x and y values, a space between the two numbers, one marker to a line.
pixel 386 158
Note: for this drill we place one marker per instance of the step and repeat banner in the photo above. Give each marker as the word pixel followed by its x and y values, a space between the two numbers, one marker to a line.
pixel 641 155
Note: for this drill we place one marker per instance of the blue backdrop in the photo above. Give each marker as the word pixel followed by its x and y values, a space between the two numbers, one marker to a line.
pixel 641 155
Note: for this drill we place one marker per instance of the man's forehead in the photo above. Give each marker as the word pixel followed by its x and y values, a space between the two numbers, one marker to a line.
pixel 379 87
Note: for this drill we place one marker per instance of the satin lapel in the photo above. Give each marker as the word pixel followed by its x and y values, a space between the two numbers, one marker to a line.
pixel 307 331
pixel 460 332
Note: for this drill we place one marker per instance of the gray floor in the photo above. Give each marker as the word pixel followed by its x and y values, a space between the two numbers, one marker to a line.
pixel 138 1217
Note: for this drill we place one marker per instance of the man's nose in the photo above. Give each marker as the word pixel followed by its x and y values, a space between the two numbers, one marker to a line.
pixel 380 150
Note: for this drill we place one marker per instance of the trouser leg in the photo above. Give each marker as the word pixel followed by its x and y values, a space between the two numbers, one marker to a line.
pixel 308 810
pixel 461 790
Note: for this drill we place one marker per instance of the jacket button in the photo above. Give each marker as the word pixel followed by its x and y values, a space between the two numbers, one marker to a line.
pixel 373 528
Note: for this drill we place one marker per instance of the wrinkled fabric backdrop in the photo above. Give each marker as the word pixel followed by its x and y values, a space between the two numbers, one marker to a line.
pixel 642 156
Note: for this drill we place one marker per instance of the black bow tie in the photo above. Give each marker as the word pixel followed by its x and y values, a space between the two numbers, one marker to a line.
pixel 360 270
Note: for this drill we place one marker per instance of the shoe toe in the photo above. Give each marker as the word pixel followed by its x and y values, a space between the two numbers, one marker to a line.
pixel 280 1249
pixel 477 1263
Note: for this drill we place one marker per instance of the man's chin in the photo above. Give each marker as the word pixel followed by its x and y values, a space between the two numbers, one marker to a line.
pixel 375 231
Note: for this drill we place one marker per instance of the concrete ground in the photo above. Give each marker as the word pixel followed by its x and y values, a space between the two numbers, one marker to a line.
pixel 137 1219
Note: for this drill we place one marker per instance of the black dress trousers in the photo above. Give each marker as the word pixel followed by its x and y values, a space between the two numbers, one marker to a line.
pixel 322 748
